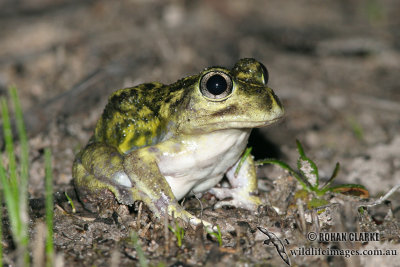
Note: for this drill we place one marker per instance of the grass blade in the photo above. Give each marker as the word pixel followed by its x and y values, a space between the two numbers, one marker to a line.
pixel 304 183
pixel 10 184
pixel 24 172
pixel 242 160
pixel 1 229
pixel 15 184
pixel 70 202
pixel 24 158
pixel 333 176
pixel 8 139
pixel 49 208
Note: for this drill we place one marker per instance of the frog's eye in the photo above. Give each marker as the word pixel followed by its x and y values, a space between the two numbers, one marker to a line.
pixel 265 74
pixel 216 85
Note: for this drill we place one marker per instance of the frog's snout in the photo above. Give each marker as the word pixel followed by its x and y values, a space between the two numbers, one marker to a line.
pixel 276 108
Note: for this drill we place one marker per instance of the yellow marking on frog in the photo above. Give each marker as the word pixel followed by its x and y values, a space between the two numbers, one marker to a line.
pixel 177 95
pixel 145 111
pixel 129 134
pixel 116 93
pixel 241 76
pixel 151 125
pixel 134 136
pixel 141 141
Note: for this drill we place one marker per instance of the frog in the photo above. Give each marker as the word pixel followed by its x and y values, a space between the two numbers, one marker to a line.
pixel 157 143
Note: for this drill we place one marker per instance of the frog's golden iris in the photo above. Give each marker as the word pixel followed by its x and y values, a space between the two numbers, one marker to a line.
pixel 216 85
pixel 157 143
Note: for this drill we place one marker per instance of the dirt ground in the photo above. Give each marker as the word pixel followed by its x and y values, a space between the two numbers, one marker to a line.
pixel 334 64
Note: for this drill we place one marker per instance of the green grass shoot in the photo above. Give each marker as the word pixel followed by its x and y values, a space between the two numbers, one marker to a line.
pixel 71 203
pixel 179 233
pixel 14 179
pixel 1 229
pixel 217 235
pixel 49 208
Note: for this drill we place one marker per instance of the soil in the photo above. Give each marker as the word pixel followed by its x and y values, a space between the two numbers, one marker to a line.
pixel 334 64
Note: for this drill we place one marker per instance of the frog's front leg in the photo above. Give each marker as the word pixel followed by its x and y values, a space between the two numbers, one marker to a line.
pixel 153 188
pixel 244 189
pixel 98 174
pixel 101 175
pixel 99 178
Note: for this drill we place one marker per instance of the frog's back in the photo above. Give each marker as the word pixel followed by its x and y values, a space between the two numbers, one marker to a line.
pixel 135 117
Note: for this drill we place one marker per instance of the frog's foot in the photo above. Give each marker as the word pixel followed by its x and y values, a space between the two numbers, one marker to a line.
pixel 240 198
pixel 181 213
pixel 161 209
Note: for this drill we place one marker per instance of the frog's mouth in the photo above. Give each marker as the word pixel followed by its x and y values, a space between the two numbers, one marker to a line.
pixel 249 123
pixel 239 124
pixel 266 123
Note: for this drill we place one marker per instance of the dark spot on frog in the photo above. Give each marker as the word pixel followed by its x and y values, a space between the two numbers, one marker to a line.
pixel 147 134
pixel 179 103
pixel 228 110
pixel 148 86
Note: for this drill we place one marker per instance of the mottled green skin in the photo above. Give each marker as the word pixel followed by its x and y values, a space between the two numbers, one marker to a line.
pixel 141 123
pixel 143 115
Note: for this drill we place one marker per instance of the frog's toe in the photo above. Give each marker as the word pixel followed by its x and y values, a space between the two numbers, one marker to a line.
pixel 179 212
pixel 239 198
pixel 207 225
pixel 237 204
pixel 221 193
pixel 196 221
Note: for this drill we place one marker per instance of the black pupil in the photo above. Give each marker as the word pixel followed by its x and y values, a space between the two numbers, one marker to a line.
pixel 216 84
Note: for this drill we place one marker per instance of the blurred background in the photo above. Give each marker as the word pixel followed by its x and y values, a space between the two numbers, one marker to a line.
pixel 334 64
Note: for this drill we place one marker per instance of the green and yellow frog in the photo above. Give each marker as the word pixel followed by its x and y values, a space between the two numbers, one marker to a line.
pixel 158 143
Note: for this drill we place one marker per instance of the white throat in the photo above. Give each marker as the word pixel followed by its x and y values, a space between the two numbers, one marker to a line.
pixel 197 163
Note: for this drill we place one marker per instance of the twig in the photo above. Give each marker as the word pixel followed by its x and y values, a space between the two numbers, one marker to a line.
pixel 201 205
pixel 381 199
pixel 166 234
pixel 299 204
pixel 139 215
